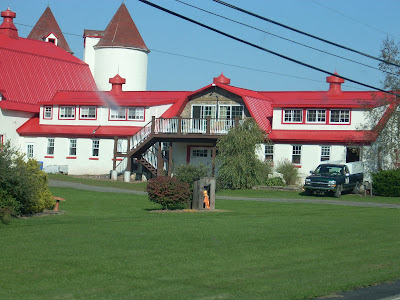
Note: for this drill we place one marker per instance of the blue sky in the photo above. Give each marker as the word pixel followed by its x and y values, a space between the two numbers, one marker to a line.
pixel 358 24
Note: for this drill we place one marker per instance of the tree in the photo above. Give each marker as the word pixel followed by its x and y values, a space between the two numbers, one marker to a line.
pixel 385 152
pixel 239 166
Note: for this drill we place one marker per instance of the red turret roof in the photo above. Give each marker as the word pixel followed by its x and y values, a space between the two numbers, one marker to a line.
pixel 46 25
pixel 122 32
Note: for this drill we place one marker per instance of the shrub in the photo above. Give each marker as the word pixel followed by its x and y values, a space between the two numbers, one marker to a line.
pixel 190 173
pixel 290 173
pixel 24 182
pixel 9 207
pixel 171 193
pixel 386 183
pixel 274 181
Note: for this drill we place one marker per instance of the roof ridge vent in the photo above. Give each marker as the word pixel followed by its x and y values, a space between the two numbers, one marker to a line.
pixel 335 84
pixel 7 27
pixel 222 79
pixel 117 82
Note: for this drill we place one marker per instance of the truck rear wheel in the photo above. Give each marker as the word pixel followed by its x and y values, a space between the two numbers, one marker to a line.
pixel 338 192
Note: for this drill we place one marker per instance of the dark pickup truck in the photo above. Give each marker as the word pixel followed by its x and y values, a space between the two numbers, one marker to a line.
pixel 335 179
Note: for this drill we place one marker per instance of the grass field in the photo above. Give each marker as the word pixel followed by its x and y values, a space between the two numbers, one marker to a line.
pixel 114 246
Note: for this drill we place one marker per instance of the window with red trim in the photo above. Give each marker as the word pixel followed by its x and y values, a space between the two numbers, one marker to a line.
pixel 48 112
pixel 296 155
pixel 341 116
pixel 67 112
pixel 88 112
pixel 293 116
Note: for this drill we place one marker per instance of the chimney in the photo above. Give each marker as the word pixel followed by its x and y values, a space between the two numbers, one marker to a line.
pixel 335 84
pixel 221 79
pixel 7 27
pixel 116 82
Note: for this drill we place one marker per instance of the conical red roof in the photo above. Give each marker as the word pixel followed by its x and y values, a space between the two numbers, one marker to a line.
pixel 122 32
pixel 46 25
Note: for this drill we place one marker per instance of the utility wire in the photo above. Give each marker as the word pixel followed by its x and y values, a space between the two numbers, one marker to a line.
pixel 304 33
pixel 262 48
pixel 286 39
pixel 353 19
pixel 199 59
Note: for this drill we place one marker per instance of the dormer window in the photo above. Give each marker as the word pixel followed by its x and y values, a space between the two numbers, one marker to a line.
pixel 47 112
pixel 67 112
pixel 51 38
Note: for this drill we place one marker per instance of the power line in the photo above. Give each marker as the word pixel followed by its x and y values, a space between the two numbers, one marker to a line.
pixel 201 59
pixel 262 48
pixel 286 39
pixel 353 19
pixel 304 33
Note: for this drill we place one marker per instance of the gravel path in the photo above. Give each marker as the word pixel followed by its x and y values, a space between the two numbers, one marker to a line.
pixel 81 186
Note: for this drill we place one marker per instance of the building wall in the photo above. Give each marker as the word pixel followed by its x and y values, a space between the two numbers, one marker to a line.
pixel 9 123
pixel 130 64
pixel 80 164
pixel 102 117
pixel 89 53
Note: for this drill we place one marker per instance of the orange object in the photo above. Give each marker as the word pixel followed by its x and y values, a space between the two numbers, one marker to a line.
pixel 206 200
pixel 57 206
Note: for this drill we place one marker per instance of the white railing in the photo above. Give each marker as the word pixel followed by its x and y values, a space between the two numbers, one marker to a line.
pixel 151 157
pixel 221 126
pixel 141 135
pixel 121 167
pixel 166 125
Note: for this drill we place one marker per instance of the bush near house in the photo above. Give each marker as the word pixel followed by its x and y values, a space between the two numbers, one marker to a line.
pixel 23 186
pixel 290 173
pixel 386 183
pixel 171 193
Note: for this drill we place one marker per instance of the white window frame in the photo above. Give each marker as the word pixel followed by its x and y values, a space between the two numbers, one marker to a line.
pixel 200 153
pixel 269 151
pixel 290 114
pixel 95 148
pixel 88 112
pixel 230 110
pixel 325 153
pixel 50 146
pixel 203 110
pixel 72 147
pixel 30 150
pixel 47 112
pixel 344 116
pixel 296 151
pixel 137 113
pixel 65 114
pixel 118 113
pixel 320 116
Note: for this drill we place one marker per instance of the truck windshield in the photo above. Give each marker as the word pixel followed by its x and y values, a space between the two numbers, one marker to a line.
pixel 329 170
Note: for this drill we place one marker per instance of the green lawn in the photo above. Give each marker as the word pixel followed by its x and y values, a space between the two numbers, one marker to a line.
pixel 113 246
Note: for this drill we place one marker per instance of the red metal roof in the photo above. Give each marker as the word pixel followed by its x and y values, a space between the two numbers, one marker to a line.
pixel 322 136
pixel 33 128
pixel 131 98
pixel 122 32
pixel 33 71
pixel 44 26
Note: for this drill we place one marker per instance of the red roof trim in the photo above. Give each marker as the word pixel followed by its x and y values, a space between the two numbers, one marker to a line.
pixel 33 128
pixel 18 106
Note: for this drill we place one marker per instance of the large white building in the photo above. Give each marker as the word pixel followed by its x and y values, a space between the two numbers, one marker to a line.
pixel 57 115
